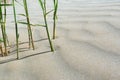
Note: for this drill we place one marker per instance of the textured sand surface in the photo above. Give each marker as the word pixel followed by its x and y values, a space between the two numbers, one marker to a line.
pixel 87 44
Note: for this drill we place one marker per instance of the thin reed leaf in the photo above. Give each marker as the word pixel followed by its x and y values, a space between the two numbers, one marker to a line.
pixel 25 23
pixel 55 17
pixel 18 2
pixel 22 15
pixel 5 15
pixel 16 28
pixel 43 6
pixel 31 42
pixel 49 12
pixel 6 5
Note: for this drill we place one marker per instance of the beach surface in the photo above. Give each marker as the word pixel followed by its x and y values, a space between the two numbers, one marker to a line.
pixel 87 46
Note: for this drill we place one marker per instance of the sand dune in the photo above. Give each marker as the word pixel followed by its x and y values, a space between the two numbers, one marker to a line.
pixel 87 45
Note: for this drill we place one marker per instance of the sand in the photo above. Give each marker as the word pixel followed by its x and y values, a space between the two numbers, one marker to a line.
pixel 87 46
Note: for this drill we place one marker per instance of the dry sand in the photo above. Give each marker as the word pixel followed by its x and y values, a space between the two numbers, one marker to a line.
pixel 87 45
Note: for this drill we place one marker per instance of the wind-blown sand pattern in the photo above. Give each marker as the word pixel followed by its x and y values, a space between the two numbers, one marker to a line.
pixel 87 44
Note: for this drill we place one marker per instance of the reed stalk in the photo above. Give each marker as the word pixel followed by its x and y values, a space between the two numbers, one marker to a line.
pixel 3 31
pixel 55 17
pixel 43 6
pixel 1 50
pixel 5 14
pixel 16 28
pixel 30 35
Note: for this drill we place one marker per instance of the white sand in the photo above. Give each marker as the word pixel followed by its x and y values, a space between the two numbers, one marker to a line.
pixel 87 44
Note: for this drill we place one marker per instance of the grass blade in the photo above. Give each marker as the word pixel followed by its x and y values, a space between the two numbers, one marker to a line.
pixel 55 17
pixel 25 23
pixel 5 15
pixel 31 42
pixel 16 28
pixel 43 6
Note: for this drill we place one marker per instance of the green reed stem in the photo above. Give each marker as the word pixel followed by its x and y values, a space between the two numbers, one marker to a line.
pixel 55 17
pixel 43 6
pixel 5 21
pixel 3 31
pixel 1 49
pixel 30 35
pixel 16 28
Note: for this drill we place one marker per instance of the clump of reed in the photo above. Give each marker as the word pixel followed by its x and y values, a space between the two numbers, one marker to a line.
pixel 4 42
pixel 31 43
pixel 3 27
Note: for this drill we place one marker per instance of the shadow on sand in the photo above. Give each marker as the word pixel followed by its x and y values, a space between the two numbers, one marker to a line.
pixel 22 50
pixel 15 59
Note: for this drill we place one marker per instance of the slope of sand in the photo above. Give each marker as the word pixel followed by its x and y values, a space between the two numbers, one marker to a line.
pixel 87 45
